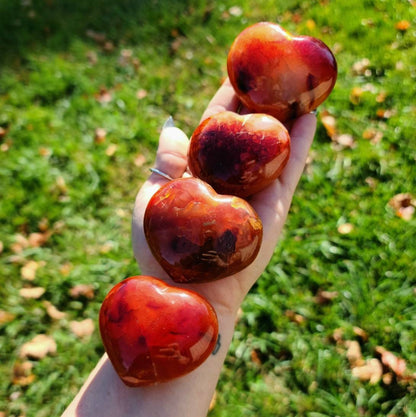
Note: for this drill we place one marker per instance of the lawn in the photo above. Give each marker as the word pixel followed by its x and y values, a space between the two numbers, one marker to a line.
pixel 330 328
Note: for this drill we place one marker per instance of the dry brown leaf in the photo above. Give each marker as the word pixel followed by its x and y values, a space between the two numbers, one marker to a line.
pixel 141 94
pixel 345 228
pixel 361 67
pixel 22 373
pixel 6 317
pixel 213 401
pixel 100 135
pixel 294 317
pixel 111 150
pixel 391 361
pixel 255 358
pixel 82 290
pixel 19 244
pixel 324 297
pixel 37 348
pixel 385 113
pixel 404 205
pixel 330 124
pixel 36 239
pixel 373 135
pixel 371 370
pixel 83 328
pixel 53 312
pixel 28 270
pixel 402 25
pixel 103 96
pixel 354 355
pixel 65 269
pixel 1 246
pixel 139 160
pixel 345 139
pixel 2 132
pixel 32 292
pixel 355 95
pixel 358 331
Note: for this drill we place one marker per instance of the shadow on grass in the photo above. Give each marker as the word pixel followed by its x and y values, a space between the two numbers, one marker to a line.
pixel 29 25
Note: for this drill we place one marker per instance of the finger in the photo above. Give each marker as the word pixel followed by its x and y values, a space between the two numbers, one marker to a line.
pixel 224 99
pixel 301 134
pixel 171 155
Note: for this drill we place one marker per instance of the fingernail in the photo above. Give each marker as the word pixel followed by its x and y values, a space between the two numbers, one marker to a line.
pixel 169 123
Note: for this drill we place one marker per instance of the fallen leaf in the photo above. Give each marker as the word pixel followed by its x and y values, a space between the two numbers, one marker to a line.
pixel 22 373
pixel 330 124
pixel 294 317
pixel 355 95
pixel 235 11
pixel 83 328
pixel 345 228
pixel 371 370
pixel 381 97
pixel 213 401
pixel 107 247
pixel 1 246
pixel 100 135
pixel 345 140
pixel 141 94
pixel 53 312
pixel 45 152
pixel 111 150
pixel 6 317
pixel 358 331
pixel 97 37
pixel 103 96
pixel 361 67
pixel 28 270
pixel 19 244
pixel 32 292
pixel 2 132
pixel 324 297
pixel 65 269
pixel 404 205
pixel 37 348
pixel 255 358
pixel 373 135
pixel 385 113
pixel 82 290
pixel 402 25
pixel 140 160
pixel 354 354
pixel 391 361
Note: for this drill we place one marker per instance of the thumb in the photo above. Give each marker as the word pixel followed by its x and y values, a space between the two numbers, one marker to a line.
pixel 171 155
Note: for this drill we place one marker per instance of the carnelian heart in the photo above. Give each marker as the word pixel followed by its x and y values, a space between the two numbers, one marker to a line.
pixel 154 332
pixel 198 235
pixel 239 154
pixel 280 74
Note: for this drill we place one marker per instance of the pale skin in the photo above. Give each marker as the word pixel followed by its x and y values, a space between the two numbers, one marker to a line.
pixel 103 394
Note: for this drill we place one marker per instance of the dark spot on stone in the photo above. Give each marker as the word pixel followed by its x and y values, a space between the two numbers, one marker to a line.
pixel 225 245
pixel 243 79
pixel 182 244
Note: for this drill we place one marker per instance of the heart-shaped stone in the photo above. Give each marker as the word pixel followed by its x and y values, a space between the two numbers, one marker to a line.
pixel 239 154
pixel 280 74
pixel 153 332
pixel 198 235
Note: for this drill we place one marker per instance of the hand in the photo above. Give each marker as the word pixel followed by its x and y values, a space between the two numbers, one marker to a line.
pixel 272 204
pixel 103 393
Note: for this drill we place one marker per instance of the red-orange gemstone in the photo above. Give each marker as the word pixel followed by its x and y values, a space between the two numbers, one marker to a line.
pixel 198 235
pixel 153 332
pixel 239 154
pixel 280 74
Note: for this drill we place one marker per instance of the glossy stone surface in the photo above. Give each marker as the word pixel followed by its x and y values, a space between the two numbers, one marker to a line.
pixel 198 235
pixel 239 154
pixel 276 73
pixel 153 332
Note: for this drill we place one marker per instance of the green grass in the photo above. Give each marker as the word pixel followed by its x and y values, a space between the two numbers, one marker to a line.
pixel 54 176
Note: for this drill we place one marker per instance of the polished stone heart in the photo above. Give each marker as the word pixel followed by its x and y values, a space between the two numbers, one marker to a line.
pixel 239 154
pixel 198 235
pixel 153 332
pixel 280 74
